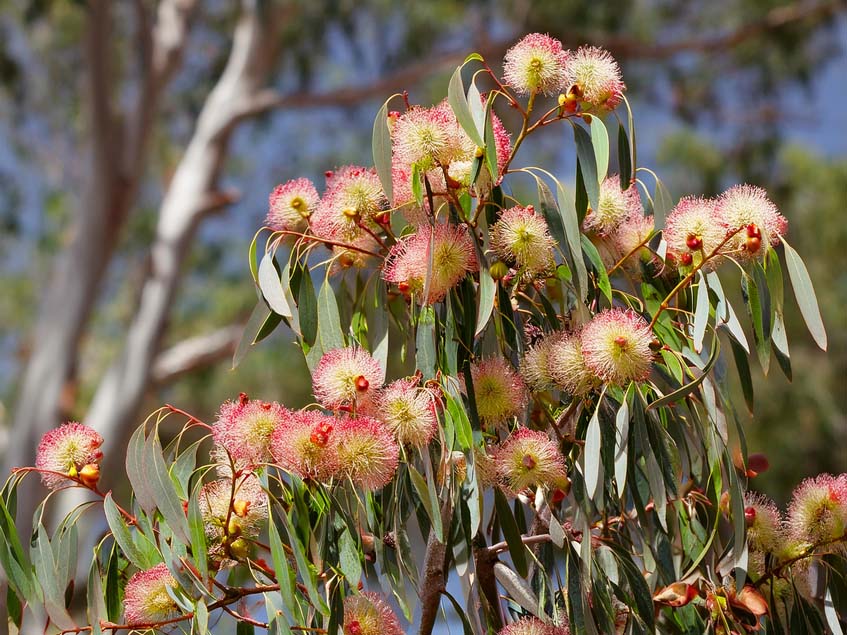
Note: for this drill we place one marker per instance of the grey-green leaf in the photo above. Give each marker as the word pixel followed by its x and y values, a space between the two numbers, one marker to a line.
pixel 588 165
pixel 381 142
pixel 329 320
pixel 271 286
pixel 805 294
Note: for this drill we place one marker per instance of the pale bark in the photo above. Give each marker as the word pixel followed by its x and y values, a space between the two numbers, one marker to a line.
pixel 118 154
pixel 195 353
pixel 191 196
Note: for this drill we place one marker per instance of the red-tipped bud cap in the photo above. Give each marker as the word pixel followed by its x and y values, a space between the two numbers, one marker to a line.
pixel 362 383
pixel 241 507
pixel 750 516
pixel 686 259
pixel 753 231
pixel 694 243
pixel 752 244
pixel 89 475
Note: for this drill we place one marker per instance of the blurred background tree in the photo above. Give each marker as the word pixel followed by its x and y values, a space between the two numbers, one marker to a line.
pixel 140 140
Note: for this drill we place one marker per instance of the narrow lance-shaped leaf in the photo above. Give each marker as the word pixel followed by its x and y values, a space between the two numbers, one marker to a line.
pixel 621 444
pixel 588 165
pixel 271 286
pixel 593 464
pixel 701 313
pixel 163 491
pixel 329 320
pixel 568 211
pixel 594 256
pixel 459 103
pixel 381 140
pixel 804 292
pixel 511 533
pixel 624 158
pixel 600 141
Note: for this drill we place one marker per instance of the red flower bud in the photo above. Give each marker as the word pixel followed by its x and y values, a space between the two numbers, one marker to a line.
pixel 362 383
pixel 753 244
pixel 750 516
pixel 686 259
pixel 753 231
pixel 694 243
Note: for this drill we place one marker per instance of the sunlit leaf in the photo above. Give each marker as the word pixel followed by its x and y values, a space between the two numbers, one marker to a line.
pixel 381 144
pixel 588 165
pixel 459 103
pixel 600 142
pixel 511 533
pixel 271 286
pixel 701 313
pixel 329 320
pixel 804 292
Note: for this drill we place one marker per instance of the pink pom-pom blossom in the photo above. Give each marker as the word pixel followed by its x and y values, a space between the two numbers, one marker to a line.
pixel 694 227
pixel 65 451
pixel 353 198
pixel 567 365
pixel 499 391
pixel 307 445
pixel 453 257
pixel 291 204
pixel 243 431
pixel 536 64
pixel 817 514
pixel 233 512
pixel 529 458
pixel 368 613
pixel 367 452
pixel 616 346
pixel 594 79
pixel 521 236
pixel 146 599
pixel 533 626
pixel 748 208
pixel 615 207
pixel 347 377
pixel 409 411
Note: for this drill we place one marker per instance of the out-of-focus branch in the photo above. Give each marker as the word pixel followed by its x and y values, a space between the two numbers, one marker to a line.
pixel 625 47
pixel 192 194
pixel 195 353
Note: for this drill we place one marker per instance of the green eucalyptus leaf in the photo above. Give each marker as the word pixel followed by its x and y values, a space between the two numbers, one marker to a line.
pixel 517 550
pixel 348 558
pixel 329 320
pixel 307 308
pixel 593 463
pixel 588 165
pixel 426 357
pixel 518 588
pixel 624 158
pixel 701 313
pixel 594 256
pixel 122 534
pixel 163 490
pixel 600 142
pixel 574 238
pixel 459 103
pixel 804 292
pixel 270 284
pixel 197 531
pixel 381 143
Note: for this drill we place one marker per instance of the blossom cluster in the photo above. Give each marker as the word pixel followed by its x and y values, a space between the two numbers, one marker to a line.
pixel 614 347
pixel 742 223
pixel 815 522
